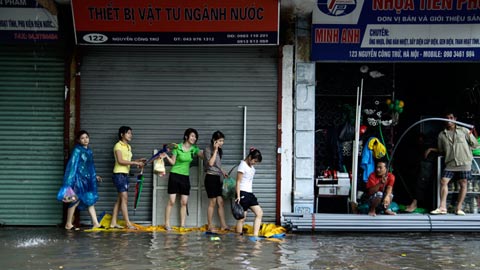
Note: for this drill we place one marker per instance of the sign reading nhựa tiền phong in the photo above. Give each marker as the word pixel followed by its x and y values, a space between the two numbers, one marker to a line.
pixel 176 22
pixel 396 31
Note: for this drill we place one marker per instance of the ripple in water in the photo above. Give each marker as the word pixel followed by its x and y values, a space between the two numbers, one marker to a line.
pixel 33 242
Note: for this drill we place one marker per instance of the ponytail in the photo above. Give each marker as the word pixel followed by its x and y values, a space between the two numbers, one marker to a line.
pixel 255 154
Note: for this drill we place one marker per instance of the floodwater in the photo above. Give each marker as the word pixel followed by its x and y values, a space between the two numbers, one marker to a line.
pixel 55 248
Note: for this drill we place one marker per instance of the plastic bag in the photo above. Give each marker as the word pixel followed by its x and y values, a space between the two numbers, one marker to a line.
pixel 347 133
pixel 476 152
pixel 69 195
pixel 228 187
pixel 159 167
pixel 237 211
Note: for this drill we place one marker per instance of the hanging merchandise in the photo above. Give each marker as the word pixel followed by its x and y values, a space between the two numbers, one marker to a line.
pixel 374 150
pixel 347 133
pixel 363 129
pixel 476 152
pixel 396 108
pixel 377 147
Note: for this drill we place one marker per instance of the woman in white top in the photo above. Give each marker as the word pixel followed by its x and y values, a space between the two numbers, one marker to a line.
pixel 244 194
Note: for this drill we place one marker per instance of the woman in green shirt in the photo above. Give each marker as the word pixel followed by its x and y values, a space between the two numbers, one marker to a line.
pixel 179 180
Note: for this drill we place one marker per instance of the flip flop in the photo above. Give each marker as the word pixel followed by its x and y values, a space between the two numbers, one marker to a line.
pixel 116 226
pixel 73 228
pixel 409 211
pixel 131 227
pixel 438 211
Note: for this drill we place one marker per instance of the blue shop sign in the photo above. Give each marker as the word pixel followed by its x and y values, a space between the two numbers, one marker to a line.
pixel 396 31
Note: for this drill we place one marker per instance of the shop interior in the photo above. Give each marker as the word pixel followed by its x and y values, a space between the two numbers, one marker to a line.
pixel 395 97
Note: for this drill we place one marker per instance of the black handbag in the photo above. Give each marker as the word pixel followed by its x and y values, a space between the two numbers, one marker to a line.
pixel 237 211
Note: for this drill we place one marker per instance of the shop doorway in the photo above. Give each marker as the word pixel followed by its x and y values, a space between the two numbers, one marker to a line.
pixel 422 89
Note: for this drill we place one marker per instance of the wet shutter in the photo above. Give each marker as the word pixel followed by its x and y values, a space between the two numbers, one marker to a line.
pixel 160 92
pixel 31 117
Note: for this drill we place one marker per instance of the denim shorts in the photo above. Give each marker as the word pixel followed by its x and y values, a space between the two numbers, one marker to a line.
pixel 120 180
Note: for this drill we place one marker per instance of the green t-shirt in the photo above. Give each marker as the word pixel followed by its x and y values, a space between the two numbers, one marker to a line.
pixel 183 159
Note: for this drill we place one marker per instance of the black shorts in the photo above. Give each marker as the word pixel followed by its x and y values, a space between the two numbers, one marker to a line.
pixel 213 185
pixel 178 184
pixel 247 200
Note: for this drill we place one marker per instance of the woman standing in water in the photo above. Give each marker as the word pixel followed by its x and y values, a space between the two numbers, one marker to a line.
pixel 81 178
pixel 179 180
pixel 213 178
pixel 244 192
pixel 123 160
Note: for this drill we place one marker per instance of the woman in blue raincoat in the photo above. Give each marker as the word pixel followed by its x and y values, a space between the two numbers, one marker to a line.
pixel 79 187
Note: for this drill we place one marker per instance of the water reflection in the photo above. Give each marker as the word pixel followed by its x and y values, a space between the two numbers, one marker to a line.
pixel 51 248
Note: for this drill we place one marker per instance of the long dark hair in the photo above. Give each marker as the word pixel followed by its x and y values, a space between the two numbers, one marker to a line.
pixel 255 154
pixel 215 137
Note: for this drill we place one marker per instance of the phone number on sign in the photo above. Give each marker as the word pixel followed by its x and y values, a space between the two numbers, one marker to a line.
pixel 458 54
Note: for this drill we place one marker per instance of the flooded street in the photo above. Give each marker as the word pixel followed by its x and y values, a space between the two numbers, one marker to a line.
pixel 54 248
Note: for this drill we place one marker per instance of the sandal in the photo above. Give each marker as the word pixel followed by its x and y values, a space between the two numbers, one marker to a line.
pixel 73 228
pixel 131 227
pixel 459 213
pixel 439 211
pixel 116 226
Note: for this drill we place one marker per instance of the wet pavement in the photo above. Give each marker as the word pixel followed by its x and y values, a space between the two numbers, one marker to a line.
pixel 55 248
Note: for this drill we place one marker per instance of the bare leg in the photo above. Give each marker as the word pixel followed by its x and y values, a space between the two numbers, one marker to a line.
pixel 183 209
pixel 113 223
pixel 239 227
pixel 70 213
pixel 210 210
pixel 461 193
pixel 124 207
pixel 93 215
pixel 373 206
pixel 168 208
pixel 221 213
pixel 258 219
pixel 444 193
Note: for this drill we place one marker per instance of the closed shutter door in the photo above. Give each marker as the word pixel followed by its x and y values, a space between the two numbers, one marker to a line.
pixel 31 117
pixel 159 92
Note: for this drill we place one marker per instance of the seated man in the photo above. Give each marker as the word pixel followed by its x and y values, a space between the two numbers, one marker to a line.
pixel 379 188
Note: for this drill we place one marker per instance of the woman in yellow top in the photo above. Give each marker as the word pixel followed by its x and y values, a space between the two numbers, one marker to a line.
pixel 123 159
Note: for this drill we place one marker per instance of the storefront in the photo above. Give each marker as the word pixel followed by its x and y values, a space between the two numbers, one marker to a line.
pixel 412 62
pixel 167 80
pixel 32 97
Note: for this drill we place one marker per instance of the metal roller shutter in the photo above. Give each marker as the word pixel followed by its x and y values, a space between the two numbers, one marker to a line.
pixel 31 117
pixel 160 92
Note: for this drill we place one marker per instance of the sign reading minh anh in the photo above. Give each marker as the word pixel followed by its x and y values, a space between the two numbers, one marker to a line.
pixel 176 22
pixel 398 31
